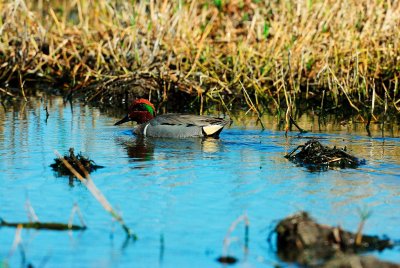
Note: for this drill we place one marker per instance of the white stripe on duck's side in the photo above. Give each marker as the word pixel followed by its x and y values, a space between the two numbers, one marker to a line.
pixel 145 129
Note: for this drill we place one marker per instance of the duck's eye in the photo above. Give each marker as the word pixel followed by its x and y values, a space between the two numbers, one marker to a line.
pixel 139 107
pixel 142 107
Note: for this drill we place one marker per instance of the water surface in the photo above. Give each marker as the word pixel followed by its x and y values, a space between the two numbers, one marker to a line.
pixel 181 196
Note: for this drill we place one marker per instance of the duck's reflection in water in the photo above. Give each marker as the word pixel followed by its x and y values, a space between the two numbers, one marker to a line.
pixel 139 149
pixel 210 145
pixel 143 149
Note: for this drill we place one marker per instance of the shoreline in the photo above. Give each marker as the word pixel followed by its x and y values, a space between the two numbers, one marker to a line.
pixel 277 58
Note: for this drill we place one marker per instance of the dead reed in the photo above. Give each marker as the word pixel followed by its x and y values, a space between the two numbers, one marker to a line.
pixel 88 182
pixel 267 56
pixel 17 241
pixel 226 258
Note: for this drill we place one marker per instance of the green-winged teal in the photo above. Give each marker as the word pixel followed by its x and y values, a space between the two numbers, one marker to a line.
pixel 171 125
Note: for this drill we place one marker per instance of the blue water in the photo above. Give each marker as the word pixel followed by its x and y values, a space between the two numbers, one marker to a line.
pixel 186 193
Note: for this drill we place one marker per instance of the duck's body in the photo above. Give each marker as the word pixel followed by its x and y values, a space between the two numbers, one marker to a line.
pixel 171 125
pixel 181 126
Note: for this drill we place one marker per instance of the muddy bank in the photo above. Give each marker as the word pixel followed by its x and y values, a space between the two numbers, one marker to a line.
pixel 172 92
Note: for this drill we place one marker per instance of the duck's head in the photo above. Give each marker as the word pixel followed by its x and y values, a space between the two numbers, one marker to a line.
pixel 140 111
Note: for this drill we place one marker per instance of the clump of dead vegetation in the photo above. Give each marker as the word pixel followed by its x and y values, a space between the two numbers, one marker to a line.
pixel 78 162
pixel 266 56
pixel 78 170
pixel 316 156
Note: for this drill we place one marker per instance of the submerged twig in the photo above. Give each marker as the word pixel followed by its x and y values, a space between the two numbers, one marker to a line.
pixel 42 225
pixel 34 222
pixel 294 123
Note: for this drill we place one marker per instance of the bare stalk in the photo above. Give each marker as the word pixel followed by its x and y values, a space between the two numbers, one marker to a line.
pixel 228 239
pixel 88 182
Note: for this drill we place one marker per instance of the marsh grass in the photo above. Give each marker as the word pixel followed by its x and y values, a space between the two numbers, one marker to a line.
pixel 271 57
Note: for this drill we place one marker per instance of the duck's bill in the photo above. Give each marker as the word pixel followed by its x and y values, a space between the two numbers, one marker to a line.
pixel 123 120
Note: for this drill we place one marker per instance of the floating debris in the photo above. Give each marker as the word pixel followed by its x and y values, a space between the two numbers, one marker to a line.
pixel 316 156
pixel 79 162
pixel 302 240
pixel 42 225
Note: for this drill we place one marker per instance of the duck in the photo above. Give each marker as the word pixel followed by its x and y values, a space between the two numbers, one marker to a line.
pixel 171 125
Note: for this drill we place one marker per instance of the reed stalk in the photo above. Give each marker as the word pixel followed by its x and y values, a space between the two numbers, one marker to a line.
pixel 228 239
pixel 364 214
pixel 97 194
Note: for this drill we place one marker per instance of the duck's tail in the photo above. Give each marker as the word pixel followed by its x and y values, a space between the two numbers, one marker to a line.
pixel 216 125
pixel 212 130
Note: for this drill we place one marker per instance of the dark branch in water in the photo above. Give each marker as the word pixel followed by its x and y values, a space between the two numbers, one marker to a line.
pixel 43 225
pixel 294 123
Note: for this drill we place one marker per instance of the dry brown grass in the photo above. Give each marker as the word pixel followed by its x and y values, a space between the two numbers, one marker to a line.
pixel 266 55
